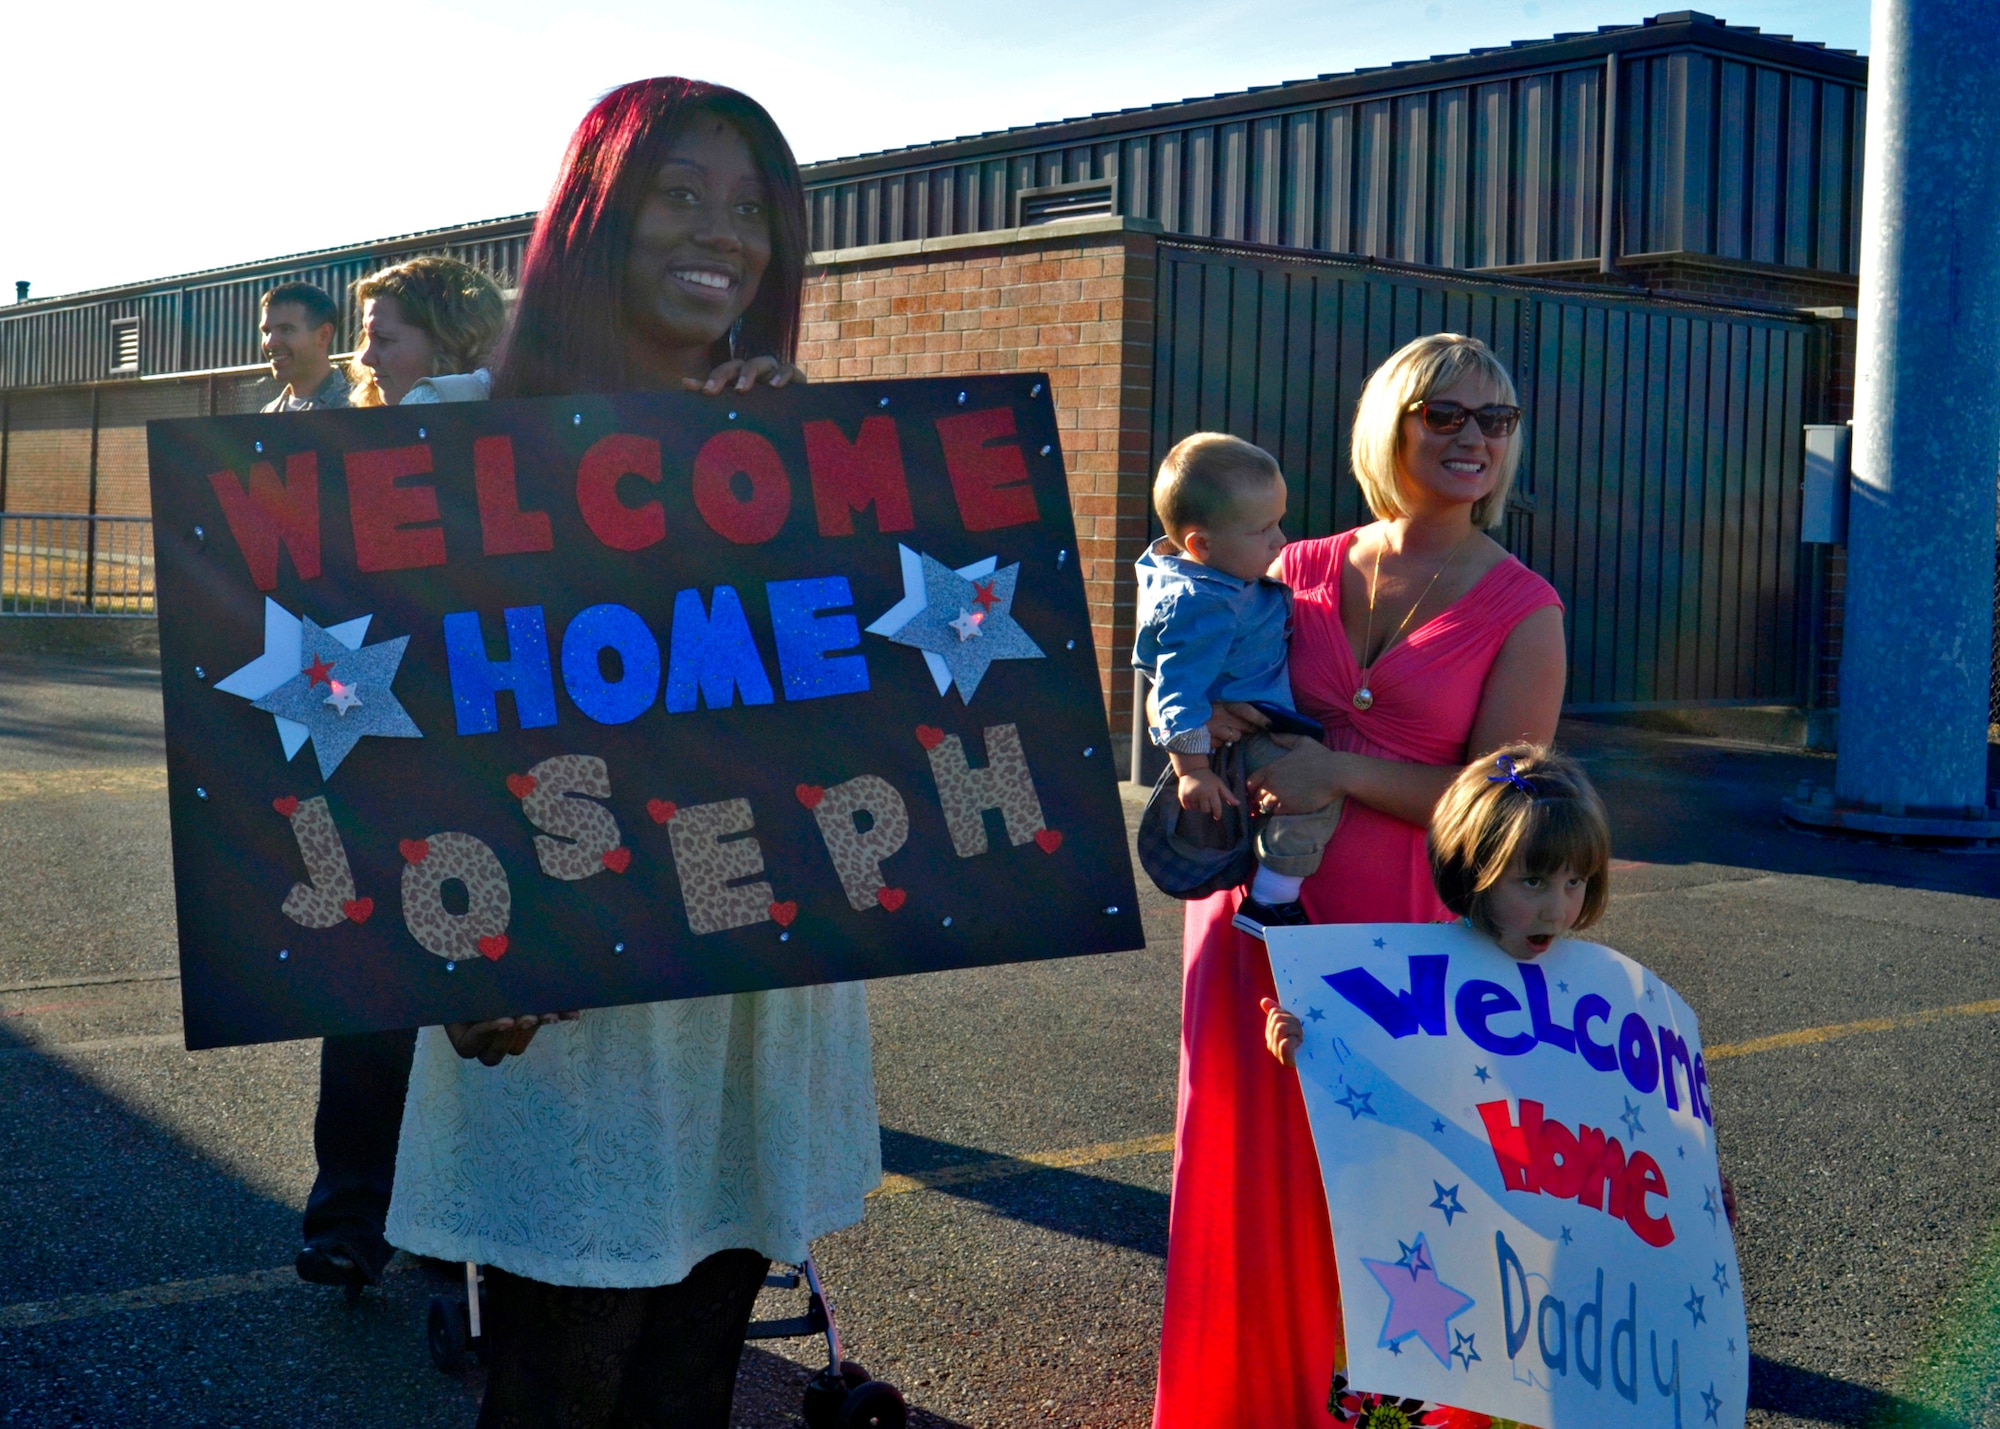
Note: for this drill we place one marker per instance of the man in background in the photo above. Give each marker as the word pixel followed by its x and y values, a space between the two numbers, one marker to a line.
pixel 362 1077
pixel 298 322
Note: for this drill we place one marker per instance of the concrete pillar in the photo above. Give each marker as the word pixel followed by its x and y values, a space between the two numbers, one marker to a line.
pixel 1918 645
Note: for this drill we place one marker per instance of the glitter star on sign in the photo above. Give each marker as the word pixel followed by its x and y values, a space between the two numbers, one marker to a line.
pixel 341 694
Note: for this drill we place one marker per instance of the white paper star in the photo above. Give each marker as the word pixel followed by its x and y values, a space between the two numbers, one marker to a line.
pixel 343 697
pixel 280 661
pixel 967 624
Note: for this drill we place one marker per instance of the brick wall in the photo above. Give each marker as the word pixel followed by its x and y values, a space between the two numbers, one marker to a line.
pixel 1072 300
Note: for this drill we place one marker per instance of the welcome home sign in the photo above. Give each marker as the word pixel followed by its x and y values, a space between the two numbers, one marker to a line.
pixel 519 706
pixel 1520 1169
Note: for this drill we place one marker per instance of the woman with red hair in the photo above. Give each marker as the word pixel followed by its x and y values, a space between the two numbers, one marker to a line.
pixel 627 1176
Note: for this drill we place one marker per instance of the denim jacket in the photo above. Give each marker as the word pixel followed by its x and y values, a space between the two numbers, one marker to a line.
pixel 1205 635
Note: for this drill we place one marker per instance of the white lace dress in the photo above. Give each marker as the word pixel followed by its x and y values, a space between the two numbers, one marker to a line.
pixel 622 1149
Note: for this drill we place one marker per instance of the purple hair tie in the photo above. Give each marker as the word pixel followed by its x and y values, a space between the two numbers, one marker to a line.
pixel 1508 775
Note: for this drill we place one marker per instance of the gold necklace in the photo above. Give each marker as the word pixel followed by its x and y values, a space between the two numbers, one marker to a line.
pixel 1364 698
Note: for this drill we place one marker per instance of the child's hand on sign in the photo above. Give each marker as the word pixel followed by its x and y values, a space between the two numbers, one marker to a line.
pixel 1282 1033
pixel 501 1037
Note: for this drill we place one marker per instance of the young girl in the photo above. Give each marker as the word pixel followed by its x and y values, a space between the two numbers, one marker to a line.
pixel 1520 849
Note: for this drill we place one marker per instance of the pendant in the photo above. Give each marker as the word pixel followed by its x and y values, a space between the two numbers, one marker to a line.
pixel 1363 698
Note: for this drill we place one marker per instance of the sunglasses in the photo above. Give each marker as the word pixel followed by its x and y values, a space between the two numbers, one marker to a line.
pixel 1445 418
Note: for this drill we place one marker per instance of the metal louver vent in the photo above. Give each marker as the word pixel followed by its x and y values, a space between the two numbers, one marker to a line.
pixel 125 345
pixel 1057 201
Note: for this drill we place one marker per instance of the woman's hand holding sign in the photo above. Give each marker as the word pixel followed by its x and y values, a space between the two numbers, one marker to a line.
pixel 501 1037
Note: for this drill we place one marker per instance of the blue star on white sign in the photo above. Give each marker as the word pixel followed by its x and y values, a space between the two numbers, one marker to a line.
pixel 962 620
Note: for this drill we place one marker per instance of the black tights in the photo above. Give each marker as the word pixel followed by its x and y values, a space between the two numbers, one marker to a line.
pixel 565 1357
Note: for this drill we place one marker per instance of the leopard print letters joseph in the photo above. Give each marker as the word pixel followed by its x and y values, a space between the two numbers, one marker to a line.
pixel 584 832
pixel 490 903
pixel 857 857
pixel 1004 784
pixel 705 866
pixel 321 902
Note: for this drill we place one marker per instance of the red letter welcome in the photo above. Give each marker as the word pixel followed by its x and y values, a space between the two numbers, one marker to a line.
pixel 270 511
pixel 504 528
pixel 991 482
pixel 726 456
pixel 609 460
pixel 386 536
pixel 846 476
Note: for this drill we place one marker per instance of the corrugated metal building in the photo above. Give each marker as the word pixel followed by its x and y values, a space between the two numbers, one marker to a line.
pixel 1736 170
pixel 1729 144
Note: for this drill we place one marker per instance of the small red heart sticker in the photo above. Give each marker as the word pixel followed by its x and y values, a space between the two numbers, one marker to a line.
pixel 783 913
pixel 890 898
pixel 493 948
pixel 1048 840
pixel 520 785
pixel 810 795
pixel 929 736
pixel 662 809
pixel 288 806
pixel 618 859
pixel 414 850
pixel 358 909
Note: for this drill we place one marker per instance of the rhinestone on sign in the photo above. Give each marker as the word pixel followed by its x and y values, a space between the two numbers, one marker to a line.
pixel 732 416
pixel 1046 450
pixel 882 402
pixel 618 947
pixel 1036 390
pixel 258 445
pixel 1363 698
pixel 947 922
pixel 1070 646
pixel 784 937
pixel 451 967
pixel 577 420
pixel 1062 555
pixel 1090 751
pixel 1112 909
pixel 283 954
pixel 200 534
pixel 961 399
pixel 201 793
pixel 199 673
pixel 421 436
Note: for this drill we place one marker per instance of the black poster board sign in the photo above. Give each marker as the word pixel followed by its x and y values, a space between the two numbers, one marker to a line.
pixel 499 707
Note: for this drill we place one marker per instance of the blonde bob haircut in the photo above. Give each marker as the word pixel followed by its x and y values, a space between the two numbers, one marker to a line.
pixel 1487 821
pixel 458 307
pixel 1417 372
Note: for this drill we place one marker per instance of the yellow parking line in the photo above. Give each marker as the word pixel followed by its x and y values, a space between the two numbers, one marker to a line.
pixel 18 784
pixel 994 1168
pixel 1807 1036
pixel 144 1297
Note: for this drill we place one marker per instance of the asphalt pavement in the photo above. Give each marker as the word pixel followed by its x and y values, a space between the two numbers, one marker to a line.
pixel 1010 1270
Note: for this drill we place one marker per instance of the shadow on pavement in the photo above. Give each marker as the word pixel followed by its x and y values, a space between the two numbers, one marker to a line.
pixel 1687 800
pixel 1065 1201
pixel 74 728
pixel 1822 1399
pixel 97 1199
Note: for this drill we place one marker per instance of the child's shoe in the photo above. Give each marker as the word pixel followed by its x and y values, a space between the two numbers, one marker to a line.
pixel 1253 917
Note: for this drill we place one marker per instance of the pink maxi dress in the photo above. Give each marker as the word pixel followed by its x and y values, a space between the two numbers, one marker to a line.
pixel 1252 1331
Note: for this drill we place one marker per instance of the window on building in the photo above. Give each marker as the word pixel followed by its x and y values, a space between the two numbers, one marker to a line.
pixel 125 345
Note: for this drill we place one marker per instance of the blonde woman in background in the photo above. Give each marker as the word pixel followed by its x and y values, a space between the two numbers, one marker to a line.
pixel 429 328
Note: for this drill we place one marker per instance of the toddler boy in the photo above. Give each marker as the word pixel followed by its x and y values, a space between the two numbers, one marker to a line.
pixel 1213 626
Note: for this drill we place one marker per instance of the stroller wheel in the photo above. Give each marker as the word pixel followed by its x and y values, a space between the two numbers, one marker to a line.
pixel 853 1374
pixel 447 1333
pixel 872 1405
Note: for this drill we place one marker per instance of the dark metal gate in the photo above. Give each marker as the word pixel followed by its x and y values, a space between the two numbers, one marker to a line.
pixel 1659 491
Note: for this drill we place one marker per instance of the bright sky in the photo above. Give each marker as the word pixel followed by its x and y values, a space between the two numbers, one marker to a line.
pixel 146 139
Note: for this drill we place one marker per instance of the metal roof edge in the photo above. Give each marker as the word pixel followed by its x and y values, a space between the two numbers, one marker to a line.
pixel 479 228
pixel 1056 229
pixel 1677 29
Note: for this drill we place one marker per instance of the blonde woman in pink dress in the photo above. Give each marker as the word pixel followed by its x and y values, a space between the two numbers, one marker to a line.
pixel 1420 644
